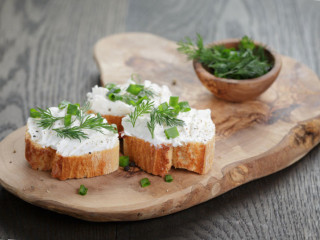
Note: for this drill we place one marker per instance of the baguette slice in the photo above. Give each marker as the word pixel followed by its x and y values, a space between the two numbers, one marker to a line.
pixel 195 157
pixel 193 149
pixel 65 167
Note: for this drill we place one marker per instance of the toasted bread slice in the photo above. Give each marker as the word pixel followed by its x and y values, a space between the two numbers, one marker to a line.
pixel 196 157
pixel 64 167
pixel 154 160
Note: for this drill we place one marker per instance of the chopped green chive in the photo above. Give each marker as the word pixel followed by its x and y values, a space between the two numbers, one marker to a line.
pixel 163 106
pixel 110 85
pixel 135 89
pixel 184 107
pixel 171 132
pixel 144 182
pixel 72 109
pixel 63 104
pixel 83 190
pixel 168 178
pixel 123 161
pixel 113 97
pixel 67 120
pixel 174 100
pixel 34 113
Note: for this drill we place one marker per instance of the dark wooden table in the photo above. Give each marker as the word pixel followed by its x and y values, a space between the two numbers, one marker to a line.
pixel 46 56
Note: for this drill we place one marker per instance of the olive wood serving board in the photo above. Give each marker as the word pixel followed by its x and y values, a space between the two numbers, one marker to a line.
pixel 254 138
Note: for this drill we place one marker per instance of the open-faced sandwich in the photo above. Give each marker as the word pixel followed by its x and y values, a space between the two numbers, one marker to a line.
pixel 171 134
pixel 70 142
pixel 114 101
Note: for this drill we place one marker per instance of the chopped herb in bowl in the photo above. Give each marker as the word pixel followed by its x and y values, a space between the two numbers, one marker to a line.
pixel 246 61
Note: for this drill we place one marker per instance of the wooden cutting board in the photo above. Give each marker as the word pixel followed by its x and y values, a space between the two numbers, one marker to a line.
pixel 254 138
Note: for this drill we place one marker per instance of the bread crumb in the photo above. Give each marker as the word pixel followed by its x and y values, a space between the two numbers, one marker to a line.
pixel 48 191
pixel 167 190
pixel 14 151
pixel 174 82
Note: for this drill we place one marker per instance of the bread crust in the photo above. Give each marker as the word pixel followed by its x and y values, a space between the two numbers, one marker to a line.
pixel 112 120
pixel 87 165
pixel 38 157
pixel 195 157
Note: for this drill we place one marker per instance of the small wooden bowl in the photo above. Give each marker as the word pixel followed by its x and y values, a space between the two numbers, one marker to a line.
pixel 234 90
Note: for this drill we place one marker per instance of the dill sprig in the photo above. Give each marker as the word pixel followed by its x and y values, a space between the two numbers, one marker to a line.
pixel 45 120
pixel 143 108
pixel 71 133
pixel 164 115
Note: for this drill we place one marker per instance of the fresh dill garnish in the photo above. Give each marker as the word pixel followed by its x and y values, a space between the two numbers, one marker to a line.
pixel 164 115
pixel 245 62
pixel 71 133
pixel 141 109
pixel 45 119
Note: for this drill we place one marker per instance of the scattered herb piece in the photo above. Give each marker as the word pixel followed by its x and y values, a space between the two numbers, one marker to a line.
pixel 171 132
pixel 123 161
pixel 144 182
pixel 83 190
pixel 248 61
pixel 168 178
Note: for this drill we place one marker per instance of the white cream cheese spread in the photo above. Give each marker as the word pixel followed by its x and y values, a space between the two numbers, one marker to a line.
pixel 101 104
pixel 96 141
pixel 198 128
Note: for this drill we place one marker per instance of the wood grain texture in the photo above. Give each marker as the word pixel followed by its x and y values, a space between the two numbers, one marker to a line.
pixel 45 46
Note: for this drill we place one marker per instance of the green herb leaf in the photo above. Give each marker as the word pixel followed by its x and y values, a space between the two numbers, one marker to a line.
pixel 168 178
pixel 67 120
pixel 174 100
pixel 123 161
pixel 83 190
pixel 184 107
pixel 144 182
pixel 171 132
pixel 73 109
pixel 34 113
pixel 135 89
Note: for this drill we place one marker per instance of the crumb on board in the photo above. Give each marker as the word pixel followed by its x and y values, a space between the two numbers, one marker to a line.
pixel 174 82
pixel 14 151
